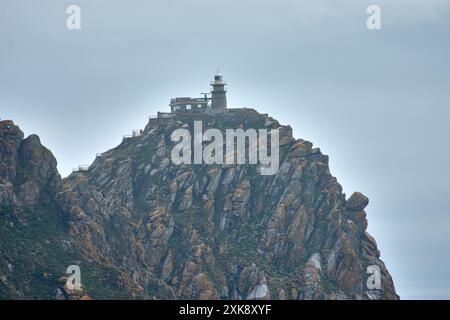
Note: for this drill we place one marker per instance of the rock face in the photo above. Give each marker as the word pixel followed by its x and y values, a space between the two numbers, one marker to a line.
pixel 28 174
pixel 212 231
pixel 35 244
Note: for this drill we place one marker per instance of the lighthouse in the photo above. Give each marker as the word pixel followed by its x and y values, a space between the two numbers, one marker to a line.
pixel 218 94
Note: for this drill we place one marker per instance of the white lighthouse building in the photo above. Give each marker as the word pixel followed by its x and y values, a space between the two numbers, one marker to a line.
pixel 218 94
pixel 215 102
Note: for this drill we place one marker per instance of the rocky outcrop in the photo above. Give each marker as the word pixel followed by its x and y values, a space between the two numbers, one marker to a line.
pixel 224 231
pixel 167 231
pixel 35 244
pixel 28 173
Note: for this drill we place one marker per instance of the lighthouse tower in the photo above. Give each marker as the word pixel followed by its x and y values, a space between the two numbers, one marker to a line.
pixel 218 94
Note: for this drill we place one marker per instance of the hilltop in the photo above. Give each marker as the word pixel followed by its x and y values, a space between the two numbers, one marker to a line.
pixel 202 231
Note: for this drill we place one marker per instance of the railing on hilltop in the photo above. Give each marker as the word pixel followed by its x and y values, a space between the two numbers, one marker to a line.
pixel 81 168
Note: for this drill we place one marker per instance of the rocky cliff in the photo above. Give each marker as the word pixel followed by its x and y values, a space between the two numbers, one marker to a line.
pixel 166 231
pixel 35 244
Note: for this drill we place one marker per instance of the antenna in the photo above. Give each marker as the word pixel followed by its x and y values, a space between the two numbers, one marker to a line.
pixel 205 95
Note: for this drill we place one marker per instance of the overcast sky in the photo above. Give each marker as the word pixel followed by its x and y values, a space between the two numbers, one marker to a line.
pixel 377 102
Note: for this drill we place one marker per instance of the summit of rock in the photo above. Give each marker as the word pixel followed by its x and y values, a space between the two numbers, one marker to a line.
pixel 208 231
